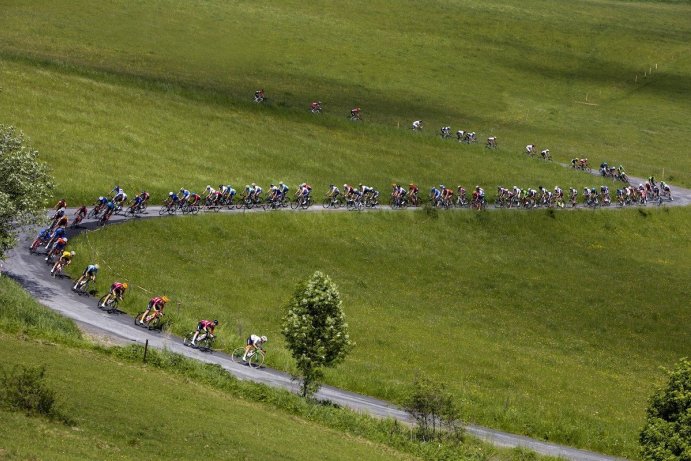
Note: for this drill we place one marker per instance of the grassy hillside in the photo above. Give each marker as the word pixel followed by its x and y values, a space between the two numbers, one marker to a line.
pixel 548 324
pixel 176 408
pixel 159 91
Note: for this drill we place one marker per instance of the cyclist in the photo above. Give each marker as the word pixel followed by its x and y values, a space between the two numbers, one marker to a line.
pixel 604 194
pixel 253 343
pixel 333 193
pixel 530 148
pixel 492 142
pixel 207 326
pixel 304 191
pixel 88 274
pixel 445 132
pixel 117 292
pixel 61 204
pixel 462 199
pixel 173 200
pixel 413 191
pixel 355 113
pixel 110 209
pixel 257 192
pixel 43 236
pixel 545 154
pixel 259 95
pixel 435 195
pixel 120 196
pixel 316 107
pixel 446 194
pixel 666 191
pixel 80 214
pixel 417 125
pixel 57 248
pixel 156 304
pixel 283 190
pixel 229 193
pixel 56 216
pixel 65 260
pixel 61 222
pixel 56 234
pixel 184 195
pixel 460 134
pixel 366 191
pixel 573 195
pixel 145 198
pixel 351 193
pixel 194 199
pixel 100 204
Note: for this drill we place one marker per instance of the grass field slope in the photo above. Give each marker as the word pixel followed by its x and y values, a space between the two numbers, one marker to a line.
pixel 175 408
pixel 547 324
pixel 159 92
pixel 541 323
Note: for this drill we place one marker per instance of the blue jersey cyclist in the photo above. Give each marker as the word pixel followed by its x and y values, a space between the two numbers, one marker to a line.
pixel 173 199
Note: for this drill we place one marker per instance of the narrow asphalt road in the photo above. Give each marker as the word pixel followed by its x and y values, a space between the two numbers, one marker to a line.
pixel 31 272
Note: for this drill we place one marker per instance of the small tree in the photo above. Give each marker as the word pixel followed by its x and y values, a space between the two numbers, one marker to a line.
pixel 667 431
pixel 24 185
pixel 316 330
pixel 433 409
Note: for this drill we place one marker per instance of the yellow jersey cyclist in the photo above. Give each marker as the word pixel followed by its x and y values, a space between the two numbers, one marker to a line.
pixel 64 261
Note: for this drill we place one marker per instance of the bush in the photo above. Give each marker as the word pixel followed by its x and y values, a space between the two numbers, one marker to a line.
pixel 667 432
pixel 24 389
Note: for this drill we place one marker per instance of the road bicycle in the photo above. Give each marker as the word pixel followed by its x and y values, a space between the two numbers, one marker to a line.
pixel 301 202
pixel 82 287
pixel 153 321
pixel 204 342
pixel 169 208
pixel 111 305
pixel 255 358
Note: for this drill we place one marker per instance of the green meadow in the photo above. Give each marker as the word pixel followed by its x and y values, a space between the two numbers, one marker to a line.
pixel 548 324
pixel 543 323
pixel 116 407
pixel 157 95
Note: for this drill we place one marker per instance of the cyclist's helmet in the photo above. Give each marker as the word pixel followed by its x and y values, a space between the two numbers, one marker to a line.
pixel 72 253
pixel 165 299
pixel 182 189
pixel 125 285
pixel 264 339
pixel 100 198
pixel 345 185
pixel 442 187
pixel 477 187
pixel 254 185
pixel 170 194
pixel 215 322
pixel 97 267
pixel 271 185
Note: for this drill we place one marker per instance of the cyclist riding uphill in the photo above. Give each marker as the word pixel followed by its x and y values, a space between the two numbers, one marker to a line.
pixel 207 326
pixel 253 343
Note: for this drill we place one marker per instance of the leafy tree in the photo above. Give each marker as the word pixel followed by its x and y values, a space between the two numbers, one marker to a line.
pixel 433 409
pixel 667 432
pixel 24 185
pixel 316 330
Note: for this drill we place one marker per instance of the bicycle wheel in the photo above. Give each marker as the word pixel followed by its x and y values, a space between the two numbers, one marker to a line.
pixel 256 360
pixel 138 317
pixel 326 203
pixel 237 354
pixel 296 204
pixel 100 301
pixel 163 210
pixel 187 340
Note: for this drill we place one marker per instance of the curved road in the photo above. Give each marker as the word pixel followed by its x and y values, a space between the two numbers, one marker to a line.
pixel 32 272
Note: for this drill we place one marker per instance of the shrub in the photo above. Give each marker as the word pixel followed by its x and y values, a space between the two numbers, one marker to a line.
pixel 667 432
pixel 24 389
